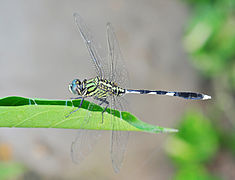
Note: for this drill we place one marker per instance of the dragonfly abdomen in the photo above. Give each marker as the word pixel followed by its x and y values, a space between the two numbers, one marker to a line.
pixel 185 95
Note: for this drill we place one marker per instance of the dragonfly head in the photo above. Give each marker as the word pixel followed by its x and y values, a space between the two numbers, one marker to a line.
pixel 75 87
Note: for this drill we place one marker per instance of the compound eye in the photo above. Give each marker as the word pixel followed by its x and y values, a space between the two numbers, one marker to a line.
pixel 77 82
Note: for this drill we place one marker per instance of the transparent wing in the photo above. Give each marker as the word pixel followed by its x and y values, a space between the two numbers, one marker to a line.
pixel 117 69
pixel 113 70
pixel 90 44
pixel 83 144
pixel 85 140
pixel 117 73
pixel 119 139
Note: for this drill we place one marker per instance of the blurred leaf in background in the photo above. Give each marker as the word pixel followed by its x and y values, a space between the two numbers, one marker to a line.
pixel 194 172
pixel 210 39
pixel 11 170
pixel 196 142
pixel 193 147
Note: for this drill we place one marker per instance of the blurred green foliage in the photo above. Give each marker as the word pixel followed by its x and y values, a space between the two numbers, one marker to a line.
pixel 11 170
pixel 228 141
pixel 194 172
pixel 210 43
pixel 210 38
pixel 195 145
pixel 196 142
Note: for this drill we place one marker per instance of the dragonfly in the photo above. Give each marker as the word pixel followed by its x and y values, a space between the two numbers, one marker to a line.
pixel 108 89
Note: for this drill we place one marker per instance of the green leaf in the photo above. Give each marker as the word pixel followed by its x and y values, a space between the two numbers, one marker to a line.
pixel 43 113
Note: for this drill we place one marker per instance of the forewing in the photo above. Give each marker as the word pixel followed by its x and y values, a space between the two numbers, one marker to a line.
pixel 117 69
pixel 90 44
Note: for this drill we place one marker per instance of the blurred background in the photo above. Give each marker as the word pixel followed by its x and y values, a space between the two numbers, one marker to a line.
pixel 184 45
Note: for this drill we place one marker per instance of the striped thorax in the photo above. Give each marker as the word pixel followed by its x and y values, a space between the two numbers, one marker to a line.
pixel 96 87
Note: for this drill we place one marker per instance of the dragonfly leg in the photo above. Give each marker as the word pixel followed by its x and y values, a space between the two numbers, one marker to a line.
pixel 80 105
pixel 107 105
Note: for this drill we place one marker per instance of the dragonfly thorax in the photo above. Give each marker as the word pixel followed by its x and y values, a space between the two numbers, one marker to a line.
pixel 110 88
